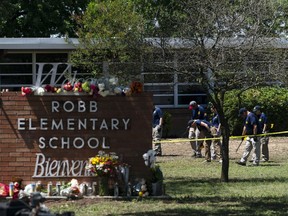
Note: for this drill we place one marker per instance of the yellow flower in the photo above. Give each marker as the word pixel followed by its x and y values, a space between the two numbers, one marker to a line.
pixel 103 164
pixel 93 161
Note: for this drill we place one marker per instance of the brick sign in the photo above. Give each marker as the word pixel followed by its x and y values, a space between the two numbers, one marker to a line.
pixel 51 137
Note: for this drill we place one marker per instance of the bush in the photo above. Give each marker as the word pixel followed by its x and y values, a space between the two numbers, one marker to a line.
pixel 273 101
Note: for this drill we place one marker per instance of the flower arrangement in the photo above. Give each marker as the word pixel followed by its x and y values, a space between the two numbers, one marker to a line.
pixel 103 164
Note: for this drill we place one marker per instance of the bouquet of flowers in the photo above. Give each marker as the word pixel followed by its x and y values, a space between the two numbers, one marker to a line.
pixel 103 164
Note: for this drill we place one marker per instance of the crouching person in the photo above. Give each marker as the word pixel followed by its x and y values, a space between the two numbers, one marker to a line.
pixel 201 129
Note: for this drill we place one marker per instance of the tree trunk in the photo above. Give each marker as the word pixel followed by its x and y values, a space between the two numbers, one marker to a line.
pixel 225 157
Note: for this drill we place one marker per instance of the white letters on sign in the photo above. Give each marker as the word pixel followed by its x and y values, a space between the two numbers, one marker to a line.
pixel 46 167
pixel 69 106
pixel 53 73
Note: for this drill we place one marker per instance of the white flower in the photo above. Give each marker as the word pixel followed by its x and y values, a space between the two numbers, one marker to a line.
pixel 113 81
pixel 39 91
pixel 104 93
pixel 117 90
pixel 101 86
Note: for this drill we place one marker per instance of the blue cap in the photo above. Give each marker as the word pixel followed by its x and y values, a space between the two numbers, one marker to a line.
pixel 242 111
pixel 190 122
pixel 256 108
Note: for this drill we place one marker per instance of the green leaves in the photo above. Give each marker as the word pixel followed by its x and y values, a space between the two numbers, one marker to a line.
pixel 110 31
pixel 39 18
pixel 273 102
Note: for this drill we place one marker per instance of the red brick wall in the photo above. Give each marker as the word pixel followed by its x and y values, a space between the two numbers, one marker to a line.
pixel 20 131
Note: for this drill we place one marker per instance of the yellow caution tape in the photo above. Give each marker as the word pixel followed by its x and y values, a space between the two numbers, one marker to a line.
pixel 264 134
pixel 214 138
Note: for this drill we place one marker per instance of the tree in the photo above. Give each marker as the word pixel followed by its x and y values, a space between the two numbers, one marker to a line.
pixel 218 44
pixel 222 44
pixel 37 18
pixel 110 31
pixel 158 15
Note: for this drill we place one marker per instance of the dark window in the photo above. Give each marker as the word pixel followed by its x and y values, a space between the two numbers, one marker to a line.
pixel 16 70
pixel 16 58
pixel 163 100
pixel 51 57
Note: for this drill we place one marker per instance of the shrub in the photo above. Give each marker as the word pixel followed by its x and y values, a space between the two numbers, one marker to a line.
pixel 273 101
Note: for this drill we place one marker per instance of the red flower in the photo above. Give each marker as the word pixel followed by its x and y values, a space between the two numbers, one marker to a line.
pixel 26 91
pixel 136 87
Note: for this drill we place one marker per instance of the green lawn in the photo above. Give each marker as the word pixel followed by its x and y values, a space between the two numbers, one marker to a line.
pixel 194 188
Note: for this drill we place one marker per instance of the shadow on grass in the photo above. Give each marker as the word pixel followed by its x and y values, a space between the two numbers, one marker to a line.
pixel 212 181
pixel 219 206
pixel 270 164
pixel 260 180
pixel 214 204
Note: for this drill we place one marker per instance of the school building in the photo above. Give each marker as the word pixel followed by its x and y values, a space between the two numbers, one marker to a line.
pixel 23 59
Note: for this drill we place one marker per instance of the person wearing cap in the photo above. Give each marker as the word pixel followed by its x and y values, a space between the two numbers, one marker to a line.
pixel 198 112
pixel 264 140
pixel 203 127
pixel 250 131
pixel 157 123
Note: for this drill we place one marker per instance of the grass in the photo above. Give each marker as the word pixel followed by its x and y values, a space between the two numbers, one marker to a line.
pixel 194 188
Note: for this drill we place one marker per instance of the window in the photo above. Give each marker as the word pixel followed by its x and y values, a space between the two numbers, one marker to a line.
pixel 191 91
pixel 171 88
pixel 52 57
pixel 15 71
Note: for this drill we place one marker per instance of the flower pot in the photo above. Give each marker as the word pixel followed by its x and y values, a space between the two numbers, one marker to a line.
pixel 157 188
pixel 103 186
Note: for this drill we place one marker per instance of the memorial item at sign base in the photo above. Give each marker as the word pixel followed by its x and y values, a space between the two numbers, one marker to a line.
pixel 103 186
pixel 106 167
pixel 103 86
pixel 157 174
